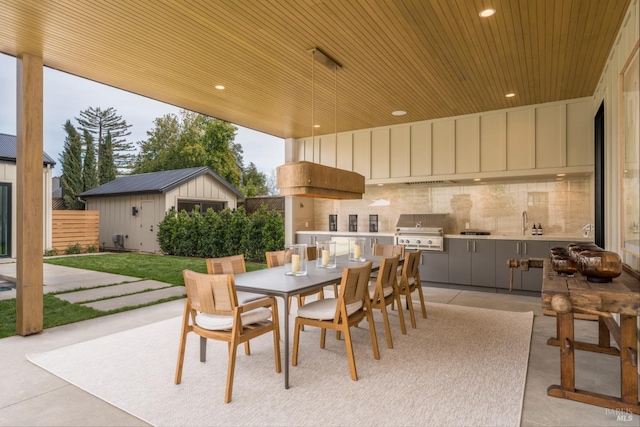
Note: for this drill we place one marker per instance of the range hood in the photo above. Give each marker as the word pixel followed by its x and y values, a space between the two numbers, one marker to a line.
pixel 307 179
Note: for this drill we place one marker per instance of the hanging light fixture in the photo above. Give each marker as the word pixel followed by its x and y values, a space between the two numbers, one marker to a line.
pixel 308 179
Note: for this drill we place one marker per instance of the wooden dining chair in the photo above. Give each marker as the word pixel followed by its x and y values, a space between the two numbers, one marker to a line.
pixel 388 251
pixel 339 314
pixel 384 291
pixel 277 259
pixel 409 281
pixel 233 264
pixel 312 255
pixel 212 311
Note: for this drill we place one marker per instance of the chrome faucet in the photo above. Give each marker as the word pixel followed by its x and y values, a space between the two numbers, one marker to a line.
pixel 524 222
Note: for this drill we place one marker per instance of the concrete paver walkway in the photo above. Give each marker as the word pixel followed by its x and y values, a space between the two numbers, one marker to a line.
pixel 112 290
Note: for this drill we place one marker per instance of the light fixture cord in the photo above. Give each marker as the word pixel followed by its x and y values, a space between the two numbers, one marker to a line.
pixel 313 68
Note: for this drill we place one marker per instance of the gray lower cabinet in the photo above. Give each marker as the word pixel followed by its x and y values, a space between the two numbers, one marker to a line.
pixel 310 239
pixel 472 262
pixel 379 240
pixel 530 280
pixel 434 267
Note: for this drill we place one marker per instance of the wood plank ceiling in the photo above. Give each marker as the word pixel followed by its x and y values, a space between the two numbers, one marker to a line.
pixel 431 58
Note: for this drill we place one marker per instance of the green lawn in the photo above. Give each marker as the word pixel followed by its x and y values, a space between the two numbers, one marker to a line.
pixel 166 269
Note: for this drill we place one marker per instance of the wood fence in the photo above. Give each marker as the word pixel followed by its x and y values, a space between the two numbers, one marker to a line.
pixel 71 227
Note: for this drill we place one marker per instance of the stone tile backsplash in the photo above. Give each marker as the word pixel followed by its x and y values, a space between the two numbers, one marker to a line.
pixel 563 207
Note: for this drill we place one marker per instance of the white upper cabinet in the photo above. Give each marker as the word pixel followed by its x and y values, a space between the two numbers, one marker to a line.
pixel 545 138
pixel 443 146
pixel 421 149
pixel 344 150
pixel 400 151
pixel 362 153
pixel 328 150
pixel 468 145
pixel 521 149
pixel 579 134
pixel 551 136
pixel 380 155
pixel 493 148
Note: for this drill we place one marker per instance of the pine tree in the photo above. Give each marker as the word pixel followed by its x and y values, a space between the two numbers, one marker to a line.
pixel 107 168
pixel 100 122
pixel 71 162
pixel 89 172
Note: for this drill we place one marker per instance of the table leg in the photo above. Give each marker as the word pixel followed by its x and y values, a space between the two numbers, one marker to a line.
pixel 286 342
pixel 604 337
pixel 629 359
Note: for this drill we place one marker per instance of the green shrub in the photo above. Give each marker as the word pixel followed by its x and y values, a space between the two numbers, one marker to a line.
pixel 74 249
pixel 222 234
pixel 51 252
pixel 92 249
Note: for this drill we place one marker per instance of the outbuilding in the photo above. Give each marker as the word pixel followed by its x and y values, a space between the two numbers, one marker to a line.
pixel 131 207
pixel 8 195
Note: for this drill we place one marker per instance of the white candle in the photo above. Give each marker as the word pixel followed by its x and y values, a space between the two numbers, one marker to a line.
pixel 356 251
pixel 325 257
pixel 295 263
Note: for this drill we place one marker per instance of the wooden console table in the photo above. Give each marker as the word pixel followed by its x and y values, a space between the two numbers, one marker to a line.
pixel 568 296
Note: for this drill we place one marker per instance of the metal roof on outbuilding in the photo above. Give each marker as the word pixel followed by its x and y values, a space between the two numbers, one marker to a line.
pixel 8 150
pixel 155 182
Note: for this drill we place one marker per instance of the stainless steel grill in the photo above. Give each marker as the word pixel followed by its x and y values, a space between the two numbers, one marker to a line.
pixel 421 231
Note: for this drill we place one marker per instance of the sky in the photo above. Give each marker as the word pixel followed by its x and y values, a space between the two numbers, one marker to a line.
pixel 66 95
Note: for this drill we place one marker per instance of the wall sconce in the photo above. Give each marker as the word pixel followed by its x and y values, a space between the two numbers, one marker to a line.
pixel 301 205
pixel 134 211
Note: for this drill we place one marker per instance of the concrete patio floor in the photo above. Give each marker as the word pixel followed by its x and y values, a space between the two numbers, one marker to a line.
pixel 31 396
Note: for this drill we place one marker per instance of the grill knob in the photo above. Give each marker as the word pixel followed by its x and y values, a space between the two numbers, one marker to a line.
pixel 429 242
pixel 417 242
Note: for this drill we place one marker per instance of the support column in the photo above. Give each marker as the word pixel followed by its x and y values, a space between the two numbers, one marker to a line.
pixel 29 157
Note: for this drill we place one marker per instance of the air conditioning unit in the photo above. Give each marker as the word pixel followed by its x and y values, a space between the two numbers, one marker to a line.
pixel 118 240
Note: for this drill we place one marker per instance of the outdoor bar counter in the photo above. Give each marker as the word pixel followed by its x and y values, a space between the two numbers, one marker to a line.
pixel 575 295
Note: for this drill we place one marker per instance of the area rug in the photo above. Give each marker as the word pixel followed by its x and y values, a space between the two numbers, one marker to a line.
pixel 461 366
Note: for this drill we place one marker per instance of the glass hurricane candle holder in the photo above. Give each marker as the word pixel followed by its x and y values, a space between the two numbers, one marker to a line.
pixel 326 257
pixel 356 249
pixel 295 260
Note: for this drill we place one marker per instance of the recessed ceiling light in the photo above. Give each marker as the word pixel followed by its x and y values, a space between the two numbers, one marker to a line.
pixel 316 126
pixel 399 113
pixel 380 185
pixel 487 13
pixel 561 174
pixel 477 179
pixel 510 95
pixel 219 87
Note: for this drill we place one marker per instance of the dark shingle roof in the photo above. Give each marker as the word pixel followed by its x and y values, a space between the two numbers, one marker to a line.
pixel 154 182
pixel 8 145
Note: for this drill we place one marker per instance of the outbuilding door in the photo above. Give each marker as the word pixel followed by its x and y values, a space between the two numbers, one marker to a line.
pixel 147 226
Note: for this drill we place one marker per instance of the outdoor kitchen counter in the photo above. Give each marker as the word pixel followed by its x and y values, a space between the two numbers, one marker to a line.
pixel 347 233
pixel 528 237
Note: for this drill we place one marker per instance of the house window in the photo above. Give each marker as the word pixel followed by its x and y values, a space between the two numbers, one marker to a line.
pixel 201 206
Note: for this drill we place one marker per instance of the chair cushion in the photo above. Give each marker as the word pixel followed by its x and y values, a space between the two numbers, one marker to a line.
pixel 372 289
pixel 411 280
pixel 245 297
pixel 325 309
pixel 214 322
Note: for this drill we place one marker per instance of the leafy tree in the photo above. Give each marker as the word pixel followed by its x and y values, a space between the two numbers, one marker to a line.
pixel 99 123
pixel 107 168
pixel 272 184
pixel 89 176
pixel 191 140
pixel 71 161
pixel 254 182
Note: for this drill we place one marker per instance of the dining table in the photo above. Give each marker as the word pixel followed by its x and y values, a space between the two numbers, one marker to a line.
pixel 274 282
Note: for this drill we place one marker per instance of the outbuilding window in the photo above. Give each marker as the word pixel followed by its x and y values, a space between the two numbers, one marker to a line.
pixel 201 205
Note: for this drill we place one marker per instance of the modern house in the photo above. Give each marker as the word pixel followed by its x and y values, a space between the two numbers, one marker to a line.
pixel 131 207
pixel 8 196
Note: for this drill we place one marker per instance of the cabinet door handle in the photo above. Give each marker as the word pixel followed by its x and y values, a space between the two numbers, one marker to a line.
pixel 518 248
pixel 421 262
pixel 474 246
pixel 525 248
pixel 468 246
